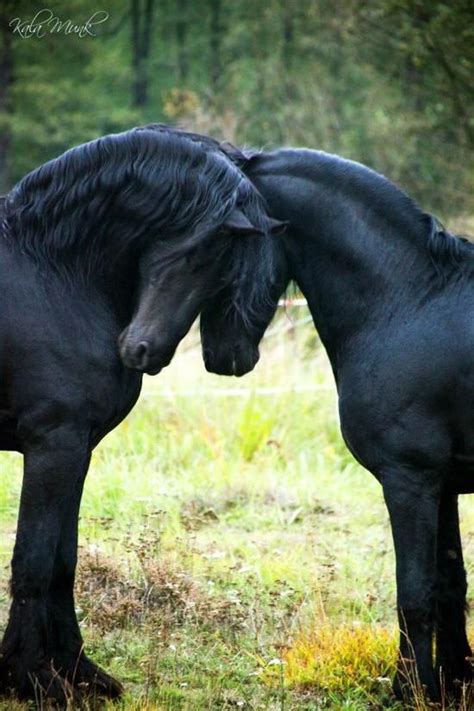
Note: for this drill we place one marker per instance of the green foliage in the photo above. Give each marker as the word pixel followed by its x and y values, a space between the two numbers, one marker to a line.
pixel 254 429
pixel 389 83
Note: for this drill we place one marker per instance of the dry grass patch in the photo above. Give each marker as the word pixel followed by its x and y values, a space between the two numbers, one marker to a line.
pixel 163 594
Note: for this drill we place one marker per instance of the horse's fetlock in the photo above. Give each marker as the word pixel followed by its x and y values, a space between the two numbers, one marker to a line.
pixel 423 615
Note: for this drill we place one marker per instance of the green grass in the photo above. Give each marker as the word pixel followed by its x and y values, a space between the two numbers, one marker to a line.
pixel 227 536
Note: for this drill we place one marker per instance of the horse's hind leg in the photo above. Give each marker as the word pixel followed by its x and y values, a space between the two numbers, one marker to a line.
pixel 452 647
pixel 412 498
pixel 67 644
pixel 54 462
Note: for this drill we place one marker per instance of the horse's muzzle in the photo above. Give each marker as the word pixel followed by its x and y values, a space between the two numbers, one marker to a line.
pixel 230 362
pixel 143 355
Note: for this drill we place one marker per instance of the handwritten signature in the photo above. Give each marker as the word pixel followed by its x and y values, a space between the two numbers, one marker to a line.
pixel 46 22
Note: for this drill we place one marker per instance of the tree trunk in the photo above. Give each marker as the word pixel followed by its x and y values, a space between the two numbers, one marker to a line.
pixel 215 43
pixel 181 31
pixel 141 17
pixel 288 31
pixel 6 81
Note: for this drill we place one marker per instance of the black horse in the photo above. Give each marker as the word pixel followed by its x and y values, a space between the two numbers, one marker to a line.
pixel 82 237
pixel 392 296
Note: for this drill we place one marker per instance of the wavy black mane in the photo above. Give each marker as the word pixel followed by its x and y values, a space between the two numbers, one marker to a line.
pixel 106 198
pixel 444 247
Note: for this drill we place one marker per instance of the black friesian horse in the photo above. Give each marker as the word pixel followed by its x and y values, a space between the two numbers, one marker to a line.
pixel 392 296
pixel 82 238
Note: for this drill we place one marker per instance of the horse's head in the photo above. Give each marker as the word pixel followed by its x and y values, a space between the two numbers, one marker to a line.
pixel 233 323
pixel 178 278
pixel 216 254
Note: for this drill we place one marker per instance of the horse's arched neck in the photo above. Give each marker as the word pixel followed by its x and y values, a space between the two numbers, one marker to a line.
pixel 118 290
pixel 100 259
pixel 355 261
pixel 114 288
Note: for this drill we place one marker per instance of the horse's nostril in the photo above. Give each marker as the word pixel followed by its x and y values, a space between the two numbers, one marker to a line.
pixel 141 354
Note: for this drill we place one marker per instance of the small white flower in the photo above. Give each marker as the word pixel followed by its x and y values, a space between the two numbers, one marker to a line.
pixel 275 661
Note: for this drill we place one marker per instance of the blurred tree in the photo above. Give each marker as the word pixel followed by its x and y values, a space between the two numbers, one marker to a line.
pixel 6 81
pixel 141 20
pixel 215 39
pixel 436 40
pixel 386 82
pixel 181 28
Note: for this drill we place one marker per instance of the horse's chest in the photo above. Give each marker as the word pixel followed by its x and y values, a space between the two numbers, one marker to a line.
pixel 115 402
pixel 360 433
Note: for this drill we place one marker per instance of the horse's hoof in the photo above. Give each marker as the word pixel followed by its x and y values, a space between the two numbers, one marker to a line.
pixel 457 681
pixel 409 689
pixel 92 681
pixel 455 675
pixel 43 685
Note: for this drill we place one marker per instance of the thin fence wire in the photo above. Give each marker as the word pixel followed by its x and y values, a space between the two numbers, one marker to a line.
pixel 195 343
pixel 240 392
pixel 171 393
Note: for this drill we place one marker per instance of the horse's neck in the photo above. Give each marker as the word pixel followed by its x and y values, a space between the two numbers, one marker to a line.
pixel 117 292
pixel 354 264
pixel 112 293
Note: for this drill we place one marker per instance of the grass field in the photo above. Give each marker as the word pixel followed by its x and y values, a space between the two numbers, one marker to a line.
pixel 233 554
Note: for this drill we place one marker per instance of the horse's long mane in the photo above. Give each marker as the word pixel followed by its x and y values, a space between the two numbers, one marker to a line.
pixel 444 248
pixel 107 197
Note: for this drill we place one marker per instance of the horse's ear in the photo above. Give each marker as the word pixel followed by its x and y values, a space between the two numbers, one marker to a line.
pixel 277 227
pixel 238 223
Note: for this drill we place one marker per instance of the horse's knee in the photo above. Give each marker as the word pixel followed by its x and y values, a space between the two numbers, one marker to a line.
pixel 30 578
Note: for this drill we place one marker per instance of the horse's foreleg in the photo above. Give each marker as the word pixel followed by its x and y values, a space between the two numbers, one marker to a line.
pixel 54 463
pixel 65 633
pixel 452 649
pixel 69 657
pixel 413 502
